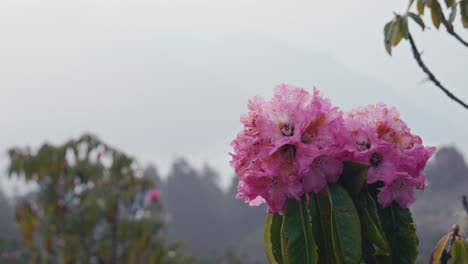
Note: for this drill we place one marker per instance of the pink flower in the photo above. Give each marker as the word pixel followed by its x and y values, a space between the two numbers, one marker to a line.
pixel 396 157
pixel 401 190
pixel 33 206
pixel 153 195
pixel 274 191
pixel 284 140
pixel 323 169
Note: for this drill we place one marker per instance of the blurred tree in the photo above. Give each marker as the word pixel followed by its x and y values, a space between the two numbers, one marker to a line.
pixel 398 29
pixel 195 205
pixel 91 206
pixel 152 173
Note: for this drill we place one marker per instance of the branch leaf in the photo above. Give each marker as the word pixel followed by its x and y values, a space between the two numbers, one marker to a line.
pixel 392 34
pixel 436 14
pixel 388 45
pixel 464 12
pixel 458 251
pixel 403 26
pixel 417 19
pixel 453 14
pixel 420 6
pixel 439 249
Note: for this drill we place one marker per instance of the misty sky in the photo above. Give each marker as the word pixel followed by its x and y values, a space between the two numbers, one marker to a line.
pixel 163 79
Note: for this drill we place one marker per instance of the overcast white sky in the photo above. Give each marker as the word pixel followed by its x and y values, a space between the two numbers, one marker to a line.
pixel 163 79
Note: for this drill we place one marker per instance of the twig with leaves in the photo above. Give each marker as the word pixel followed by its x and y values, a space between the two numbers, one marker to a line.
pixel 397 29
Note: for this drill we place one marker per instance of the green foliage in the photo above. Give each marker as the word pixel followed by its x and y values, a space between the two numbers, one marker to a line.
pixel 320 211
pixel 439 250
pixel 399 228
pixel 374 240
pixel 464 12
pixel 341 224
pixel 91 205
pixel 297 242
pixel 345 226
pixel 398 27
pixel 272 238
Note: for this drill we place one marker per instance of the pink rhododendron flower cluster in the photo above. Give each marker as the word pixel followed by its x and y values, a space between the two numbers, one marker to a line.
pixel 395 156
pixel 297 142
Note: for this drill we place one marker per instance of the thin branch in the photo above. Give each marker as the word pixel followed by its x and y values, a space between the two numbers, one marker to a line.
pixel 430 75
pixel 452 32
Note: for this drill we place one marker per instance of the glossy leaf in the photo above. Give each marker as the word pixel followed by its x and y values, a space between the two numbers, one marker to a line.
pixel 297 241
pixel 397 35
pixel 320 211
pixel 399 229
pixel 371 227
pixel 464 12
pixel 388 45
pixel 345 226
pixel 392 35
pixel 439 249
pixel 272 238
pixel 436 14
pixel 417 19
pixel 354 177
pixel 458 252
pixel 420 6
pixel 403 26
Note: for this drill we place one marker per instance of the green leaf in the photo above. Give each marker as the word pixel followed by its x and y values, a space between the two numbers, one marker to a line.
pixel 354 177
pixel 417 19
pixel 320 212
pixel 388 45
pixel 458 252
pixel 398 226
pixel 346 228
pixel 371 227
pixel 397 35
pixel 466 248
pixel 464 12
pixel 272 238
pixel 297 241
pixel 450 3
pixel 453 14
pixel 403 26
pixel 421 6
pixel 439 249
pixel 436 14
pixel 392 34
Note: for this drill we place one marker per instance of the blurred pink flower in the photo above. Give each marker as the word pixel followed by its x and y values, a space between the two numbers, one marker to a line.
pixel 153 195
pixel 33 206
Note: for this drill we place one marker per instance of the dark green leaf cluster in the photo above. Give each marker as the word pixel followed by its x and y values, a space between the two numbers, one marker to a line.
pixel 341 224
